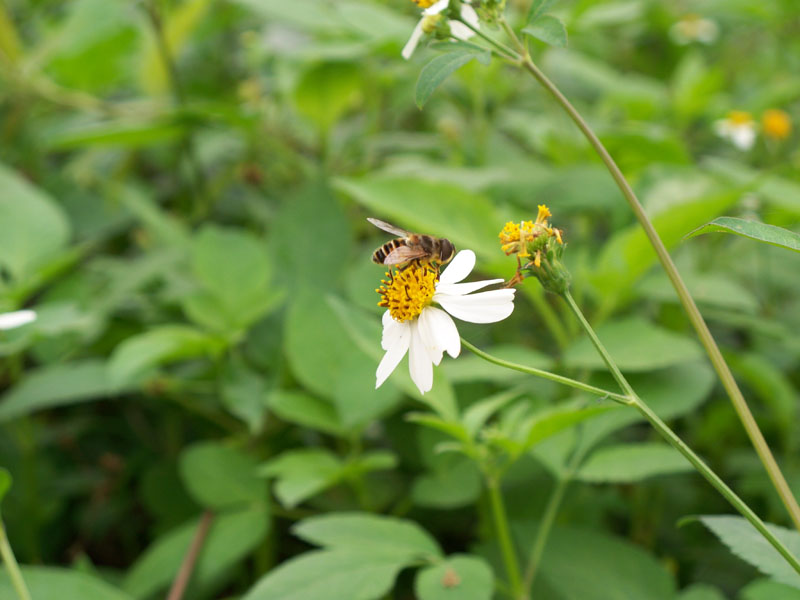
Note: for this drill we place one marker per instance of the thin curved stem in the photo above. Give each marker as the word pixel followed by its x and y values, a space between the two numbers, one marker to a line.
pixel 505 50
pixel 504 537
pixel 668 434
pixel 190 559
pixel 14 574
pixel 707 340
pixel 578 385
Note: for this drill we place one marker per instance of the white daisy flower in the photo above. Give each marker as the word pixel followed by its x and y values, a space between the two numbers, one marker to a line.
pixel 12 320
pixel 457 28
pixel 739 128
pixel 412 324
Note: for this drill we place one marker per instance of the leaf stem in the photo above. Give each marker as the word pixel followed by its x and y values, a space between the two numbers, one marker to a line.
pixel 11 565
pixel 507 52
pixel 504 537
pixel 679 444
pixel 585 387
pixel 707 340
pixel 190 559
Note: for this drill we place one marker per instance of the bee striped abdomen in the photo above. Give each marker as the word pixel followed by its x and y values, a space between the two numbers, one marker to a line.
pixel 381 253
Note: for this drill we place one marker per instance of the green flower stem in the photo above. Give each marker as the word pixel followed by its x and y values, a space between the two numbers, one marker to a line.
pixel 507 52
pixel 710 345
pixel 545 525
pixel 504 538
pixel 678 443
pixel 548 375
pixel 11 565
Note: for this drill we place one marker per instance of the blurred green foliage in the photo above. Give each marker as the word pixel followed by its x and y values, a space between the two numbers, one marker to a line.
pixel 183 193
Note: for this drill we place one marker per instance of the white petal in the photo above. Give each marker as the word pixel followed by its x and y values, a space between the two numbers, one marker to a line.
pixel 391 331
pixel 419 362
pixel 460 31
pixel 436 8
pixel 459 268
pixel 461 289
pixel 443 329
pixel 394 354
pixel 412 42
pixel 18 318
pixel 485 307
pixel 743 137
pixel 427 333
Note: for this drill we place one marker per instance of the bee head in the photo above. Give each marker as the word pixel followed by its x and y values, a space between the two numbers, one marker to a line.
pixel 446 251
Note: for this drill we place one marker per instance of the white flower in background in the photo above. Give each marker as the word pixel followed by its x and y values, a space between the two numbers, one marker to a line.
pixel 694 28
pixel 739 128
pixel 413 325
pixel 12 320
pixel 430 19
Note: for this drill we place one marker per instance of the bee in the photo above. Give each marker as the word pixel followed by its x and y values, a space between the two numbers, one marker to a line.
pixel 410 247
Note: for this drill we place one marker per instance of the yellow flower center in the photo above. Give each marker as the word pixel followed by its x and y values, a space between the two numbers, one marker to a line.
pixel 739 117
pixel 777 124
pixel 406 292
pixel 424 3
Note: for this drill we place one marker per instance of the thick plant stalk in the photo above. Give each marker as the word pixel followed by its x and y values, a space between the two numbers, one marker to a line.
pixel 678 443
pixel 504 538
pixel 523 59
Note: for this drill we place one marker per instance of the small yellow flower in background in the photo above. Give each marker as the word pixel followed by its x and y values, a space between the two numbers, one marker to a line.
pixel 544 243
pixel 413 326
pixel 694 28
pixel 776 123
pixel 739 128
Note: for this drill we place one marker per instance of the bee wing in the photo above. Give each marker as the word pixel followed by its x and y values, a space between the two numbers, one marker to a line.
pixel 388 227
pixel 404 254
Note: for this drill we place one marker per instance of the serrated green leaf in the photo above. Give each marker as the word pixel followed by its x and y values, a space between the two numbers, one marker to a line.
pixel 459 577
pixel 628 463
pixel 64 584
pixel 538 8
pixel 378 535
pixel 439 69
pixel 219 477
pixel 165 344
pixel 548 29
pixel 760 232
pixel 747 543
pixel 301 474
pixel 338 575
pixel 58 385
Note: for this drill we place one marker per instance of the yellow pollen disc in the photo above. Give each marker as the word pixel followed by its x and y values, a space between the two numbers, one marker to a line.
pixel 424 3
pixel 739 117
pixel 407 292
pixel 777 124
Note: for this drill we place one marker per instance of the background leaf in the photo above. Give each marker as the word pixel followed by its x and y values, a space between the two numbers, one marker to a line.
pixel 761 232
pixel 460 576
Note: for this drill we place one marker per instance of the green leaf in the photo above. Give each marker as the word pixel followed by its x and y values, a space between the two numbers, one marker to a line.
pixel 635 345
pixel 548 29
pixel 469 368
pixel 33 228
pixel 58 385
pixel 327 90
pixel 554 420
pixel 459 577
pixel 219 477
pixel 747 543
pixel 468 220
pixel 777 192
pixel 162 345
pixel 244 394
pixel 5 482
pixel 766 589
pixel 439 69
pixel 305 410
pixel 302 474
pixel 628 463
pixel 231 538
pixel 760 232
pixel 119 133
pixel 538 8
pixel 351 574
pixel 64 584
pixel 454 482
pixel 587 565
pixel 234 272
pixel 376 535
pixel 700 591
